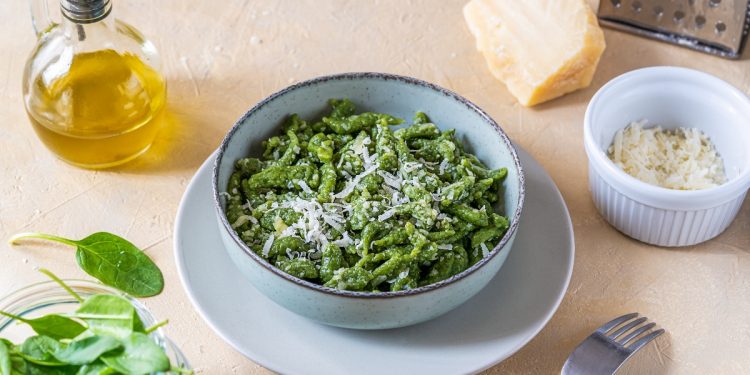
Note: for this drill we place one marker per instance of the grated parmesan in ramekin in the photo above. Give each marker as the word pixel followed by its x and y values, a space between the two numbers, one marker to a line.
pixel 681 159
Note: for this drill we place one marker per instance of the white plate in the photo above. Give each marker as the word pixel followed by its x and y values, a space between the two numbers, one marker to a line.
pixel 485 330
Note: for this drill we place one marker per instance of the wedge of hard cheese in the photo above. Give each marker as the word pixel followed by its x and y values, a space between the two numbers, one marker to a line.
pixel 540 49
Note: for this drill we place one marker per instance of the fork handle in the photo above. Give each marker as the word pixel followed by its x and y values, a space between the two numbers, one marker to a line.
pixel 593 357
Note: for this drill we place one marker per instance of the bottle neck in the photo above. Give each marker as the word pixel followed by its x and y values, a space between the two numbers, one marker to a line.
pixel 83 16
pixel 85 11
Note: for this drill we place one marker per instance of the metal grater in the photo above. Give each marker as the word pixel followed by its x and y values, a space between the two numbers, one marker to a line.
pixel 719 27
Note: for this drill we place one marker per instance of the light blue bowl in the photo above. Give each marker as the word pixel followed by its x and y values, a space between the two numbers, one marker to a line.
pixel 401 97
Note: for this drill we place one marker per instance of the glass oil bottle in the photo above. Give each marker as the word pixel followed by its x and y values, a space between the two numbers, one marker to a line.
pixel 92 86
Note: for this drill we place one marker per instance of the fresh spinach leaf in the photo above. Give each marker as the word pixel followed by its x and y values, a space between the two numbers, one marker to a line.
pixel 55 326
pixel 138 323
pixel 112 260
pixel 86 351
pixel 156 326
pixel 40 350
pixel 18 365
pixel 141 355
pixel 97 368
pixel 62 284
pixel 107 314
pixel 7 343
pixel 37 369
pixel 4 358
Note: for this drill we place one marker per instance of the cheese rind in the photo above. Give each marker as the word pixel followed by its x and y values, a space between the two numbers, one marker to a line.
pixel 540 49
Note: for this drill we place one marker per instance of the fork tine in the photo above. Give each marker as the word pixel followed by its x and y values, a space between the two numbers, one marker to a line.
pixel 636 333
pixel 616 322
pixel 627 327
pixel 645 340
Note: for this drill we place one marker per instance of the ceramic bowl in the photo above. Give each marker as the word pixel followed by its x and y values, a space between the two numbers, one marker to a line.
pixel 395 95
pixel 671 97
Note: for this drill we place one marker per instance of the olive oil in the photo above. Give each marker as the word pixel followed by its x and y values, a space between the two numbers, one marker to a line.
pixel 102 109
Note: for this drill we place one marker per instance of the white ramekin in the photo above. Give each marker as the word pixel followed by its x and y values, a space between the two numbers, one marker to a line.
pixel 671 97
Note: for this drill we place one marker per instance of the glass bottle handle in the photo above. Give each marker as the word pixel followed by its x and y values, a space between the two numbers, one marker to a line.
pixel 40 18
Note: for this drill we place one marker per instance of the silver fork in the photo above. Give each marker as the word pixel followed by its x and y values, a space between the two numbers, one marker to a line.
pixel 610 346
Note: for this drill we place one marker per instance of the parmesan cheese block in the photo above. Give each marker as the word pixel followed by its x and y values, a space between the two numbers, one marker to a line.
pixel 540 49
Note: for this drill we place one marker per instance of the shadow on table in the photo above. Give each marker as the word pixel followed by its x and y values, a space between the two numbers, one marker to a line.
pixel 182 144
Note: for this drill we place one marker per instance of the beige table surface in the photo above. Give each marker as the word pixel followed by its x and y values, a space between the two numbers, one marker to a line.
pixel 220 57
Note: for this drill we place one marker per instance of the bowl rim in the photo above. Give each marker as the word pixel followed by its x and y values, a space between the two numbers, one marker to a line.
pixel 226 226
pixel 653 195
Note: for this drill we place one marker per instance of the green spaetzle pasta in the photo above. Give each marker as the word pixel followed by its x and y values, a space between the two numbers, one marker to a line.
pixel 349 203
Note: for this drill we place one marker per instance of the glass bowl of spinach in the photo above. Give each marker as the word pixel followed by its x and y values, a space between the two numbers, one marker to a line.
pixel 49 297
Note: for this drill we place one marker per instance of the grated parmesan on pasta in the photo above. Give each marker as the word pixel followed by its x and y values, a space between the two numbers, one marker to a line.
pixel 681 159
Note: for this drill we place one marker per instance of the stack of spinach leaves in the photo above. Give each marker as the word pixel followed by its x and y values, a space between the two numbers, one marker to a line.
pixel 105 334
